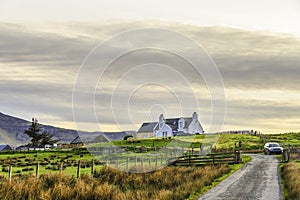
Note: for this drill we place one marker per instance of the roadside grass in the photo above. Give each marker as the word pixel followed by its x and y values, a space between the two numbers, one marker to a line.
pixel 290 176
pixel 167 183
pixel 298 163
pixel 232 169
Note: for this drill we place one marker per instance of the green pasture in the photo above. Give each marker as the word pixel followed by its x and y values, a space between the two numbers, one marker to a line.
pixel 49 161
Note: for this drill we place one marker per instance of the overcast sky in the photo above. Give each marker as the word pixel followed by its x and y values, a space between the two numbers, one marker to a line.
pixel 255 45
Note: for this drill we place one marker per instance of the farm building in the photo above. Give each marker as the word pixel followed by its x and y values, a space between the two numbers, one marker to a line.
pixel 5 147
pixel 171 127
pixel 100 137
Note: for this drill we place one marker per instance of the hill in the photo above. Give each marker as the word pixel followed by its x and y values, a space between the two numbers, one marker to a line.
pixel 12 132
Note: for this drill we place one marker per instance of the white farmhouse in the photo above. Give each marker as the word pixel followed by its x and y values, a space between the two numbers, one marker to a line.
pixel 171 127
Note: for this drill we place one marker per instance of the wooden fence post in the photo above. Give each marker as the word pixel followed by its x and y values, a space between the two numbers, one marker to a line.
pixel 283 156
pixel 117 162
pixel 78 169
pixel 127 160
pixel 167 163
pixel 9 173
pixel 61 166
pixel 92 167
pixel 201 149
pixel 237 157
pixel 149 161
pixel 37 170
pixel 156 161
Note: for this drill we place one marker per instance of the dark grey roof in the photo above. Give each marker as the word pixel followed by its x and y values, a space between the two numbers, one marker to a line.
pixel 5 147
pixel 147 127
pixel 114 135
pixel 99 137
pixel 84 139
pixel 172 122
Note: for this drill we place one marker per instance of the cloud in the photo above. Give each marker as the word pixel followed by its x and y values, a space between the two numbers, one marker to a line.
pixel 39 66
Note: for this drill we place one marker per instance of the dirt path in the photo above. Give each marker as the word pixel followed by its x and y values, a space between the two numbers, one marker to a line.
pixel 258 179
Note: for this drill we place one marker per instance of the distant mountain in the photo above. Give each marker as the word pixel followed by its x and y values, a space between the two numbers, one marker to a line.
pixel 12 132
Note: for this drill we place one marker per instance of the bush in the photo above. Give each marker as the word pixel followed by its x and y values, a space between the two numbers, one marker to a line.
pixel 291 176
pixel 4 169
pixel 126 137
pixel 27 169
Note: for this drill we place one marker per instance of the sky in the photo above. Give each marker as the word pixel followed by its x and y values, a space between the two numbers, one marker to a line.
pixel 52 57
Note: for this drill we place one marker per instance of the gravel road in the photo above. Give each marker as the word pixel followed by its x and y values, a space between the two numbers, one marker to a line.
pixel 258 179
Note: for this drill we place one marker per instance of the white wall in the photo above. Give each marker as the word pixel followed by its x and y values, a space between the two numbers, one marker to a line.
pixel 195 127
pixel 165 128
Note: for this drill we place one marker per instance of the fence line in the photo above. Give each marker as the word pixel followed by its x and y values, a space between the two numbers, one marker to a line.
pixel 153 160
pixel 196 159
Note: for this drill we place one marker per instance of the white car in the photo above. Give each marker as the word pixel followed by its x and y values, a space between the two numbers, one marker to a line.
pixel 272 147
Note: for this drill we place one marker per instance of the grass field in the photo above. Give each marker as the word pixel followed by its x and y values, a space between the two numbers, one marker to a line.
pixel 223 141
pixel 219 141
pixel 49 161
pixel 110 184
pixel 292 139
pixel 141 150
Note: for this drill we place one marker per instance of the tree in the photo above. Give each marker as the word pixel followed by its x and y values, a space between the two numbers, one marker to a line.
pixel 37 138
pixel 126 137
pixel 34 132
pixel 46 138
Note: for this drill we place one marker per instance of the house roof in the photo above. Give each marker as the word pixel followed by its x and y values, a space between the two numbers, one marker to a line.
pixel 99 137
pixel 172 122
pixel 115 135
pixel 83 139
pixel 5 147
pixel 147 127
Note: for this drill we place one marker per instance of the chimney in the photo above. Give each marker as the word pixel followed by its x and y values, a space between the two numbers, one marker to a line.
pixel 161 121
pixel 195 116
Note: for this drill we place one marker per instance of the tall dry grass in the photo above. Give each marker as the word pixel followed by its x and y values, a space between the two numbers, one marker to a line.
pixel 291 176
pixel 167 183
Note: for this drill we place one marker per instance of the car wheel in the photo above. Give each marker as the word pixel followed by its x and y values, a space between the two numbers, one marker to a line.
pixel 267 152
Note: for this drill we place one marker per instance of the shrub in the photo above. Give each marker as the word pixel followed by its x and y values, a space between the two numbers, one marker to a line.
pixel 4 169
pixel 291 176
pixel 28 169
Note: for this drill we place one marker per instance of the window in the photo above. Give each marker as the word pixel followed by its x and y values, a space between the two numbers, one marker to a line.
pixel 180 124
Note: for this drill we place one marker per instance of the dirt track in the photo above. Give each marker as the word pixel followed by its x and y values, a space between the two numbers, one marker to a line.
pixel 258 179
